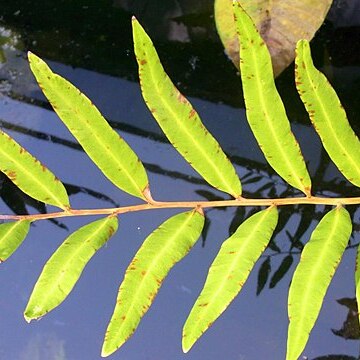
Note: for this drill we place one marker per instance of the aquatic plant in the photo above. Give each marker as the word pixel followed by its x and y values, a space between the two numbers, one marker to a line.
pixel 173 239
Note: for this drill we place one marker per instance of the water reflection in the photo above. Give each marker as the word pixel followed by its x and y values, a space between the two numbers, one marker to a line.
pixel 44 346
pixel 254 327
pixel 9 40
pixel 350 328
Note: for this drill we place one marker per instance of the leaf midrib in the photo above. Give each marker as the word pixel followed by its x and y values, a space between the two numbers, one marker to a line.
pixel 11 230
pixel 264 107
pixel 64 268
pixel 235 261
pixel 152 265
pixel 190 135
pixel 95 134
pixel 314 271
pixel 326 117
pixel 30 175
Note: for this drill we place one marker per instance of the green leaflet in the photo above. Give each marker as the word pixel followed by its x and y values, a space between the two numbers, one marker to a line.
pixel 264 108
pixel 162 249
pixel 228 272
pixel 12 234
pixel 65 266
pixel 105 147
pixel 327 115
pixel 319 260
pixel 29 175
pixel 179 120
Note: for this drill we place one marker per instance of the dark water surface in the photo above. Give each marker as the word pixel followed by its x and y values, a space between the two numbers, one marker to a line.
pixel 89 42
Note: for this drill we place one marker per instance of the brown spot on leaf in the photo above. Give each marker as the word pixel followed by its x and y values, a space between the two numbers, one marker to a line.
pixel 203 304
pixel 151 296
pixel 11 175
pixel 143 62
pixel 111 230
pixel 181 98
pixel 209 324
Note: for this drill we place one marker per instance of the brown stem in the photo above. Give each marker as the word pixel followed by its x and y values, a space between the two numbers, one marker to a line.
pixel 188 204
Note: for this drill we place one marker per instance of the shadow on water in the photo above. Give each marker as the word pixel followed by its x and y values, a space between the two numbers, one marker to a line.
pixel 90 43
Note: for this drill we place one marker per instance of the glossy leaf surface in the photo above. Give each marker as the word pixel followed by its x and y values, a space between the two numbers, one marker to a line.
pixel 229 272
pixel 264 108
pixel 162 249
pixel 65 266
pixel 12 234
pixel 327 115
pixel 281 24
pixel 29 175
pixel 105 147
pixel 179 120
pixel 319 260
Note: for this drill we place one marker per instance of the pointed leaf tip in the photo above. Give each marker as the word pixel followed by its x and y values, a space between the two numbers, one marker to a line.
pixel 185 348
pixel 28 320
pixel 104 352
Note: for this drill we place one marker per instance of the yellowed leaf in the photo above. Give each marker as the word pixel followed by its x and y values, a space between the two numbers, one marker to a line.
pixel 281 24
